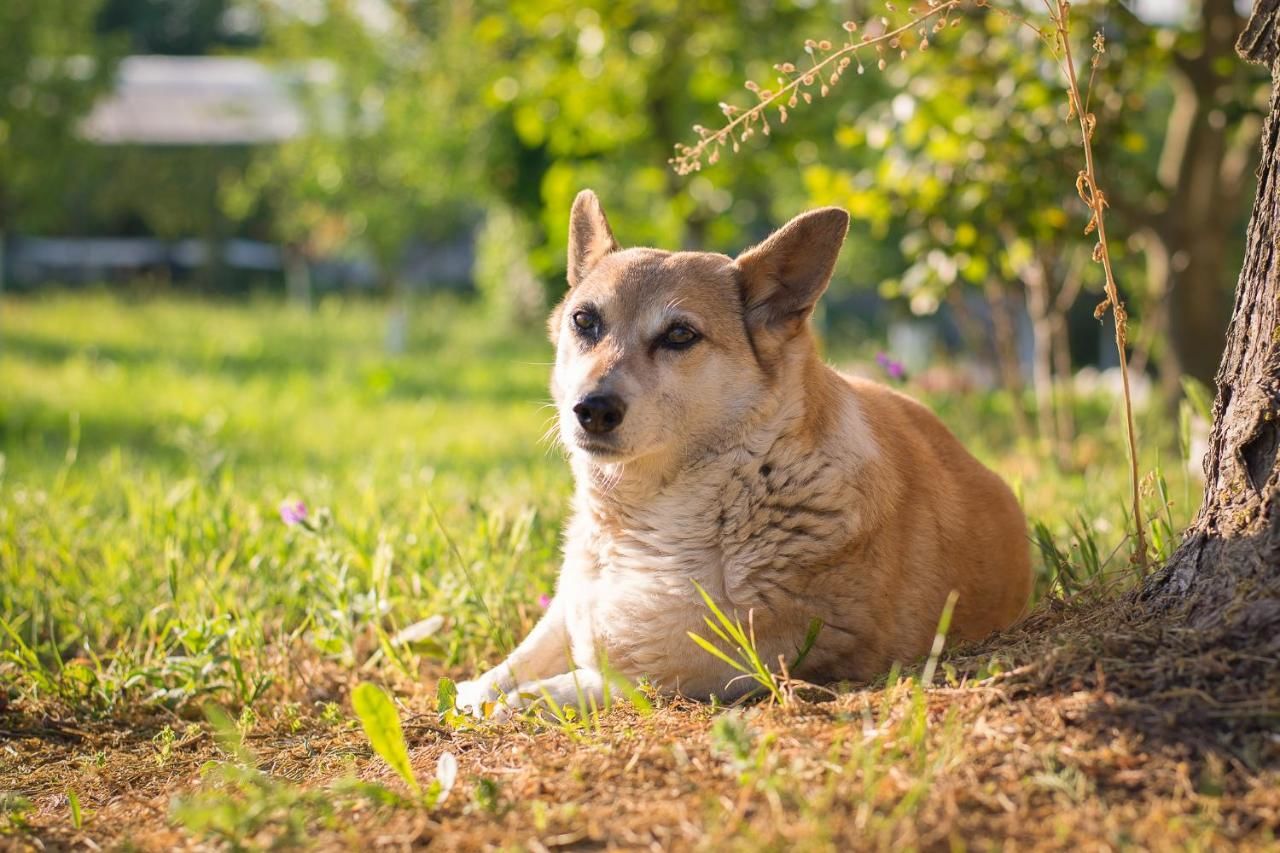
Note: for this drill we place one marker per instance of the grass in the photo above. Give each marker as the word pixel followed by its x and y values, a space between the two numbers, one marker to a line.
pixel 146 576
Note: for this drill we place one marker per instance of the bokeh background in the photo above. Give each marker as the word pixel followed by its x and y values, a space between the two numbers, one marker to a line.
pixel 390 147
pixel 255 251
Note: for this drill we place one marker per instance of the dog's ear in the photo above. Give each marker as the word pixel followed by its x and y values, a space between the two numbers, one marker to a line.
pixel 783 277
pixel 590 237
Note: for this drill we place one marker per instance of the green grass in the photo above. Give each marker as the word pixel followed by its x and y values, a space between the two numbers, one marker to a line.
pixel 147 447
pixel 148 444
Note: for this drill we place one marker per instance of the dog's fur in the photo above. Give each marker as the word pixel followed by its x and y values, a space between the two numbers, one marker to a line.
pixel 744 463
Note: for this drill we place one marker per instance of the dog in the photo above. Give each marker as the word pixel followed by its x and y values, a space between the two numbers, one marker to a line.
pixel 712 447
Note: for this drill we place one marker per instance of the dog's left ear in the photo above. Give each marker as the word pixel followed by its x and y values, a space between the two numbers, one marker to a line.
pixel 783 277
pixel 590 237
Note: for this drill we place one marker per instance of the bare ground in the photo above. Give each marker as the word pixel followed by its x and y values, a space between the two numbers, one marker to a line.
pixel 1107 730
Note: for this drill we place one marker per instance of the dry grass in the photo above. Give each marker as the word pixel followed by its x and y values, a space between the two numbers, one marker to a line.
pixel 1110 730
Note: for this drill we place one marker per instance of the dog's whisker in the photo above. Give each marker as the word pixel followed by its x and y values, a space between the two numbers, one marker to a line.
pixel 609 480
pixel 549 438
pixel 549 433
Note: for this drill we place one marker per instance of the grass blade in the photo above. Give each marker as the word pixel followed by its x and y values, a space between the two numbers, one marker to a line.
pixel 381 723
pixel 714 650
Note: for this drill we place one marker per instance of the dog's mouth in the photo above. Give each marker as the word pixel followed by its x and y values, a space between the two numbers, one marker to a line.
pixel 597 448
pixel 604 447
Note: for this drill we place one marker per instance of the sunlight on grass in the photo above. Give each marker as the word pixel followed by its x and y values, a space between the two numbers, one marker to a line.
pixel 147 446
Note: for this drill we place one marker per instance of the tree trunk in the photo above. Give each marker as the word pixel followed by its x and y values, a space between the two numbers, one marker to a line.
pixel 1225 577
pixel 297 276
pixel 1064 395
pixel 1157 342
pixel 1006 352
pixel 1035 279
pixel 1195 232
pixel 1202 169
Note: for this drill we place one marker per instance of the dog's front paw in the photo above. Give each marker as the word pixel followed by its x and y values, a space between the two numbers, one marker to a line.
pixel 479 698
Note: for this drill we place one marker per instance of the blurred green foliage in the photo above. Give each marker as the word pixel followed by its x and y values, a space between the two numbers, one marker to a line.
pixel 443 111
pixel 53 64
pixel 958 163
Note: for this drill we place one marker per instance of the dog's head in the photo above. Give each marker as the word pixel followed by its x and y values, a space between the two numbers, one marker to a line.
pixel 661 352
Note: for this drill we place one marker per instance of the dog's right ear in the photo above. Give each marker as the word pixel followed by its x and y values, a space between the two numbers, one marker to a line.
pixel 783 277
pixel 590 237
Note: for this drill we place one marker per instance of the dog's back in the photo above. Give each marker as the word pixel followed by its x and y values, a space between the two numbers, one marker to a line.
pixel 946 523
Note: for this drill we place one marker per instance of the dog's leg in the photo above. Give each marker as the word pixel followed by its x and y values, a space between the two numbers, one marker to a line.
pixel 545 652
pixel 582 688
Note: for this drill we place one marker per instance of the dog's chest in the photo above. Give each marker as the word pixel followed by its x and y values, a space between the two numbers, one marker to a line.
pixel 743 528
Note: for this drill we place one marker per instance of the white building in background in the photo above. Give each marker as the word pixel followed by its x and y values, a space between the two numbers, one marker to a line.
pixel 177 101
pixel 202 100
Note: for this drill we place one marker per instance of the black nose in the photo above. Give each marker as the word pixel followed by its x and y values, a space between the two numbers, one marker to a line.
pixel 600 413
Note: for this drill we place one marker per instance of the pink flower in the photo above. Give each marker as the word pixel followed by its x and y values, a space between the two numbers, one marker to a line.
pixel 293 512
pixel 544 601
pixel 891 367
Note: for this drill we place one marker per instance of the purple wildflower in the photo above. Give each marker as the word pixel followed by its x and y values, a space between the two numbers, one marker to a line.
pixel 544 601
pixel 892 368
pixel 293 512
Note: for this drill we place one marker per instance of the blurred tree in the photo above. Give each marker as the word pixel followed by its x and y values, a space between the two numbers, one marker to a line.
pixel 390 149
pixel 593 96
pixel 1188 205
pixel 977 169
pixel 169 192
pixel 51 68
pixel 1173 89
pixel 430 112
pixel 390 153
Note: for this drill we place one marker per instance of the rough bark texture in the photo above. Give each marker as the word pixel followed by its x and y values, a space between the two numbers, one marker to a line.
pixel 1225 577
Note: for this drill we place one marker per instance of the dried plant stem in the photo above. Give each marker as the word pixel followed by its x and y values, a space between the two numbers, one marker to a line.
pixel 688 158
pixel 1087 186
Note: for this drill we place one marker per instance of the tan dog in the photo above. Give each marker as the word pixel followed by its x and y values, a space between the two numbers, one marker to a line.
pixel 710 444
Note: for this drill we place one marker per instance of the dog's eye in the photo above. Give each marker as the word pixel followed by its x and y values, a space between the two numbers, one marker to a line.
pixel 679 337
pixel 585 322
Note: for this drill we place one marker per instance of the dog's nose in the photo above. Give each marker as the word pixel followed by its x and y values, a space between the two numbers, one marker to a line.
pixel 600 413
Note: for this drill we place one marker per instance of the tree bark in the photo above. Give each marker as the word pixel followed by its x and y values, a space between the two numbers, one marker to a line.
pixel 1225 577
pixel 1035 280
pixel 1156 343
